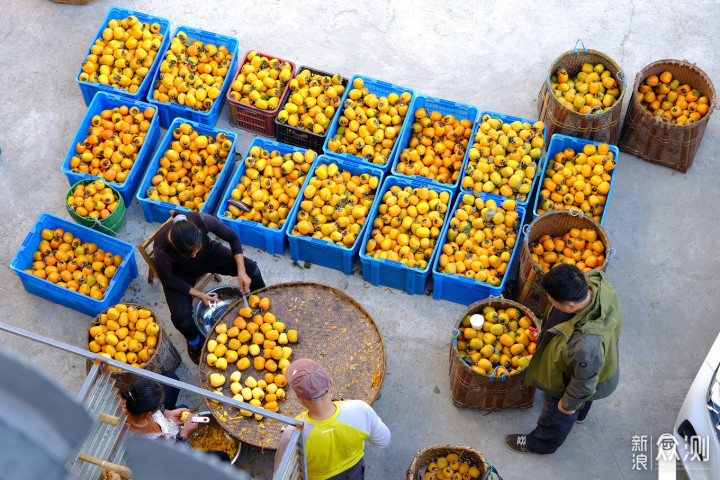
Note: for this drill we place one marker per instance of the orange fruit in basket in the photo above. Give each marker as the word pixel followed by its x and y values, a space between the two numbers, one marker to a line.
pixel 369 133
pixel 669 101
pixel 260 81
pixel 270 185
pixel 190 76
pixel 323 91
pixel 123 54
pixel 442 145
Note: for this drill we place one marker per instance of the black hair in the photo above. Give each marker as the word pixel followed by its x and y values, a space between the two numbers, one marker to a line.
pixel 185 236
pixel 143 396
pixel 566 283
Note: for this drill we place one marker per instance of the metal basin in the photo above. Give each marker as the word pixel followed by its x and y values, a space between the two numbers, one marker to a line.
pixel 206 317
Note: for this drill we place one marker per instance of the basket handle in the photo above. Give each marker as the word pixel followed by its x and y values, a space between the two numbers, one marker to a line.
pixel 103 228
pixel 526 230
pixel 575 212
pixel 490 472
pixel 575 50
pixel 501 377
pixel 587 115
pixel 547 80
pixel 621 76
pixel 609 254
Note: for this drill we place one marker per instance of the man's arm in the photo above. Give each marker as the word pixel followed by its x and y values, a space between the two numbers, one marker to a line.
pixel 585 354
pixel 379 432
pixel 284 440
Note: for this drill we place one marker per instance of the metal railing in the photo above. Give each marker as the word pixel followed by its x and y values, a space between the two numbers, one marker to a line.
pixel 293 465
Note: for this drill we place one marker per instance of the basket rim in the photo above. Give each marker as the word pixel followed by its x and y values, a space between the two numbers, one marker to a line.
pixel 641 76
pixel 489 301
pixel 440 450
pixel 573 113
pixel 562 211
pixel 102 221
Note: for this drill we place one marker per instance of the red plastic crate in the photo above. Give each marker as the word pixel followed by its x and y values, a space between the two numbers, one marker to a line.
pixel 250 118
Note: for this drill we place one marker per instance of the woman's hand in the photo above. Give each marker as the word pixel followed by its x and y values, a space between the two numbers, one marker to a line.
pixel 188 427
pixel 203 297
pixel 244 281
pixel 174 415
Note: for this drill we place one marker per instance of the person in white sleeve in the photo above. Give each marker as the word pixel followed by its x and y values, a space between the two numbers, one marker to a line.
pixel 334 432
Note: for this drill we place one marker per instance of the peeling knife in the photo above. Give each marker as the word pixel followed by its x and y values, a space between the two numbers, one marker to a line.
pixel 241 205
pixel 245 300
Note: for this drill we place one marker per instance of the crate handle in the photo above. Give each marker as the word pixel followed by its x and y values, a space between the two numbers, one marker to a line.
pixel 609 254
pixel 621 76
pixel 575 50
pixel 501 377
pixel 587 115
pixel 526 230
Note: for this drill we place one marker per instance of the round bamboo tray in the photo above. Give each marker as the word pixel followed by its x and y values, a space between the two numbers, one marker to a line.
pixel 333 329
pixel 428 454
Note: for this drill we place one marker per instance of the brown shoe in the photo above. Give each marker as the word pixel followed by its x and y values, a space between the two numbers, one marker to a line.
pixel 194 352
pixel 518 443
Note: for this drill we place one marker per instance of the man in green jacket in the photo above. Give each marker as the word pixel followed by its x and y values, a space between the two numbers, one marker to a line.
pixel 576 360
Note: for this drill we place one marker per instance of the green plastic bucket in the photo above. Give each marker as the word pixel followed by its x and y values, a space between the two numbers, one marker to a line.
pixel 109 225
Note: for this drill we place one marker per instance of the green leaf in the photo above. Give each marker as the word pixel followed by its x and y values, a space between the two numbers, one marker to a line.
pixel 307 264
pixel 466 229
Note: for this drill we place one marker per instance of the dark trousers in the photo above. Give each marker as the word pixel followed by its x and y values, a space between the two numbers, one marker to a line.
pixel 553 426
pixel 356 472
pixel 171 393
pixel 220 260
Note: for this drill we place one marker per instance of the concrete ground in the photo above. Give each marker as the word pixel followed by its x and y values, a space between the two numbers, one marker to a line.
pixel 494 55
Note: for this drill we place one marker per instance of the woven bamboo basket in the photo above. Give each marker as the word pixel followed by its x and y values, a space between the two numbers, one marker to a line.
pixel 166 356
pixel 75 2
pixel 600 126
pixel 466 454
pixel 661 142
pixel 471 389
pixel 554 223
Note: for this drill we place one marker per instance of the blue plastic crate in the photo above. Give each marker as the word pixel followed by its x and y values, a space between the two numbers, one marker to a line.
pixel 505 119
pixel 379 88
pixel 89 89
pixel 461 289
pixel 256 235
pixel 323 252
pixel 446 107
pixel 169 110
pixel 559 143
pixel 77 301
pixel 396 274
pixel 104 101
pixel 159 211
